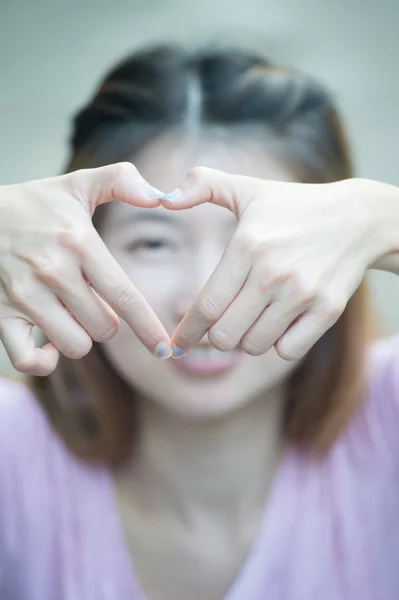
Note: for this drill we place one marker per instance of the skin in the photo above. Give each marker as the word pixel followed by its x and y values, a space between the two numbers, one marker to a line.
pixel 170 277
pixel 47 258
pixel 182 504
pixel 192 497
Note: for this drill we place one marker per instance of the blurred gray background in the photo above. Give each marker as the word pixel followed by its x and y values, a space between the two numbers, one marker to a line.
pixel 52 54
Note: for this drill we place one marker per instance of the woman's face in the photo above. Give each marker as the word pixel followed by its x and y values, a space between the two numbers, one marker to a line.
pixel 169 256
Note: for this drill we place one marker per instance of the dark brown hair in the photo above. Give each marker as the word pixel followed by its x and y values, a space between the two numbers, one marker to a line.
pixel 164 88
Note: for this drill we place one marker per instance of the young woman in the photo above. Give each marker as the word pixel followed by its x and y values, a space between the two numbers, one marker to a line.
pixel 230 475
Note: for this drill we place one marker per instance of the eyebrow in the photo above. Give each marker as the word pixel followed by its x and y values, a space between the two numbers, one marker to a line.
pixel 146 215
pixel 151 215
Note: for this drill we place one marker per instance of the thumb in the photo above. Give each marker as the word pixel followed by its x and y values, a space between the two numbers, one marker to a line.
pixel 120 181
pixel 201 185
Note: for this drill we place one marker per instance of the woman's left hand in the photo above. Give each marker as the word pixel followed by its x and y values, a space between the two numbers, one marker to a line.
pixel 299 253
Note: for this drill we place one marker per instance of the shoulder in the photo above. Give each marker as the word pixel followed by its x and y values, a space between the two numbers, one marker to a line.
pixel 382 377
pixel 33 457
pixel 26 445
pixel 375 428
pixel 23 424
pixel 34 461
pixel 15 399
pixel 383 358
pixel 40 481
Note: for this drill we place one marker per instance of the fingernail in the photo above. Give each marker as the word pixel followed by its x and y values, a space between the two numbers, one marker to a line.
pixel 154 193
pixel 177 352
pixel 172 196
pixel 163 350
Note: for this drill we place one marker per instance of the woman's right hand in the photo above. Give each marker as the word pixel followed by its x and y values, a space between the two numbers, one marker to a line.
pixel 56 272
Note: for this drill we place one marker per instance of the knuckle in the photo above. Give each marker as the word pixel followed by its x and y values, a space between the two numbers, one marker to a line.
pixel 251 242
pixel 122 174
pixel 124 298
pixel 259 248
pixel 20 292
pixel 107 333
pixel 221 340
pixel 208 309
pixel 252 347
pixel 198 174
pixel 124 169
pixel 287 351
pixel 23 364
pixel 264 284
pixel 269 277
pixel 79 349
pixel 74 237
pixel 244 239
pixel 50 268
pixel 273 275
pixel 332 308
pixel 304 288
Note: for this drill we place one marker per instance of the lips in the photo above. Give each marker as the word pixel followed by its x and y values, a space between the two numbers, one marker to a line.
pixel 206 360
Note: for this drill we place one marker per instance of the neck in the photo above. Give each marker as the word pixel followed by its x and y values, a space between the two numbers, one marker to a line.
pixel 222 467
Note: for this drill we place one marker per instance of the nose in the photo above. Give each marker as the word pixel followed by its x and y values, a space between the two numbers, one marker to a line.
pixel 195 276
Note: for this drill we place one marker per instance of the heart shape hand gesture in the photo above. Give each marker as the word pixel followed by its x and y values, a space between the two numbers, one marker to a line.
pixel 298 254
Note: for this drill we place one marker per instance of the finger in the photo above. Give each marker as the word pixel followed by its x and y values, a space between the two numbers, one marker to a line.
pixel 61 277
pixel 114 286
pixel 18 341
pixel 120 181
pixel 307 330
pixel 268 328
pixel 202 185
pixel 219 292
pixel 47 313
pixel 243 312
pixel 89 309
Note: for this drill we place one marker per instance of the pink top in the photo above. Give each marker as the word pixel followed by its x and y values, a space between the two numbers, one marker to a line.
pixel 330 531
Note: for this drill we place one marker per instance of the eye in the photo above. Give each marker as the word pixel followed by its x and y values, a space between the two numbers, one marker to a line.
pixel 150 245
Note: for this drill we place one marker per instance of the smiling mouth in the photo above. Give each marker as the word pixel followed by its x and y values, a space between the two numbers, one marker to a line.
pixel 206 360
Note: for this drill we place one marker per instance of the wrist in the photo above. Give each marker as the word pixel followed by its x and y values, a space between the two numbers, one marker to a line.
pixel 380 204
pixel 4 193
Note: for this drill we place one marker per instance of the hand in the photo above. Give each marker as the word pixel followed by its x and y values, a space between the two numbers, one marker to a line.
pixel 297 256
pixel 50 251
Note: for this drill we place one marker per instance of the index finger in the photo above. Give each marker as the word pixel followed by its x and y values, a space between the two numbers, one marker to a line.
pixel 111 282
pixel 120 181
pixel 202 185
pixel 219 292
